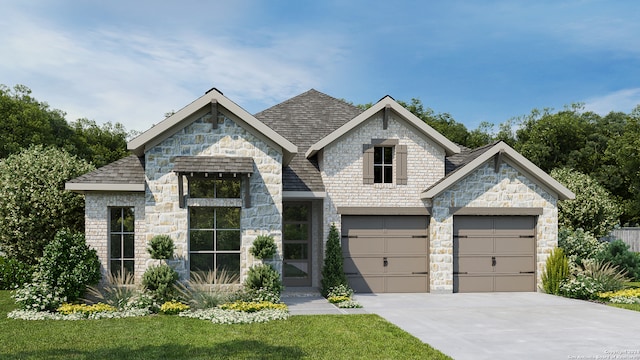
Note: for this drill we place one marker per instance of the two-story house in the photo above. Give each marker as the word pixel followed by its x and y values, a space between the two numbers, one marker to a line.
pixel 417 213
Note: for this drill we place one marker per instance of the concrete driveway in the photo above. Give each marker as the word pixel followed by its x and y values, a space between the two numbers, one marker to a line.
pixel 512 325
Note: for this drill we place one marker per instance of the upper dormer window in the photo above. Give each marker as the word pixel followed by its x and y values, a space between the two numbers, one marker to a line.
pixel 383 164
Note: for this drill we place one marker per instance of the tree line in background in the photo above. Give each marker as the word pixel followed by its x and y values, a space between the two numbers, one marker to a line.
pixel 595 156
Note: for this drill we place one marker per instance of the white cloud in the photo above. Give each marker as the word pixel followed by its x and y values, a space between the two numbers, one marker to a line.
pixel 135 76
pixel 623 100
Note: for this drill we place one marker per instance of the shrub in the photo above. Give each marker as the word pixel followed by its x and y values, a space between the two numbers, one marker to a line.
pixel 68 265
pixel 259 295
pixel 159 280
pixel 594 208
pixel 626 296
pixel 14 273
pixel 38 297
pixel 85 309
pixel 617 253
pixel 34 205
pixel 208 289
pixel 608 275
pixel 264 276
pixel 341 290
pixel 263 247
pixel 161 247
pixel 333 269
pixel 581 287
pixel 173 308
pixel 579 245
pixel 556 271
pixel 595 277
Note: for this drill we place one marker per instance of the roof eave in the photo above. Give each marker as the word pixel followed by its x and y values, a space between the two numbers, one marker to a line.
pixel 561 191
pixel 173 123
pixel 107 187
pixel 449 147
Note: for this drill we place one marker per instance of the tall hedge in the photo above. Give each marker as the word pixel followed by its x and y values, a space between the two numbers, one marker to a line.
pixel 34 205
pixel 333 269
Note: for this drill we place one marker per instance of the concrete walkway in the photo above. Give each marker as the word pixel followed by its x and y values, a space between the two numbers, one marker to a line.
pixel 512 325
pixel 308 301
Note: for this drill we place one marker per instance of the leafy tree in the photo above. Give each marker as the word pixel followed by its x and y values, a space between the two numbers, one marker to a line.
pixel 442 122
pixel 617 254
pixel 99 145
pixel 593 209
pixel 68 264
pixel 33 203
pixel 333 269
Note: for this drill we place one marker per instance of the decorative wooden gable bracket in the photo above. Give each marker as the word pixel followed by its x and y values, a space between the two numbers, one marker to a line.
pixel 246 185
pixel 214 113
pixel 497 161
pixel 385 117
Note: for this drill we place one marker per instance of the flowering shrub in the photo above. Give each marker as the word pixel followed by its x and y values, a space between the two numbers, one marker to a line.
pixel 220 316
pixel 38 297
pixel 581 287
pixel 627 296
pixel 251 306
pixel 340 295
pixel 259 295
pixel 340 290
pixel 85 309
pixel 173 308
pixel 349 304
pixel 338 299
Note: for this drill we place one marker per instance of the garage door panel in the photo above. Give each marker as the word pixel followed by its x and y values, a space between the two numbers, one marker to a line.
pixel 473 245
pixel 473 283
pixel 525 282
pixel 405 225
pixel 474 264
pixel 406 245
pixel 506 245
pixel 363 244
pixel 369 284
pixel 476 226
pixel 514 264
pixel 404 284
pixel 363 265
pixel 406 265
pixel 514 225
pixel 363 225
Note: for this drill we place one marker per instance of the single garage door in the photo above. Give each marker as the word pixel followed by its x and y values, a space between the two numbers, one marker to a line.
pixel 386 253
pixel 494 253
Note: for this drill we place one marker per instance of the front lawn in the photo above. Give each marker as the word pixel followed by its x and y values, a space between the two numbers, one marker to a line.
pixel 173 337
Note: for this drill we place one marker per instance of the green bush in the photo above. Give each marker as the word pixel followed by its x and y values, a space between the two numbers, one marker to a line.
pixel 555 272
pixel 264 276
pixel 579 245
pixel 34 205
pixel 68 264
pixel 161 247
pixel 263 247
pixel 14 273
pixel 160 281
pixel 333 269
pixel 617 253
pixel 595 277
pixel 38 296
pixel 581 287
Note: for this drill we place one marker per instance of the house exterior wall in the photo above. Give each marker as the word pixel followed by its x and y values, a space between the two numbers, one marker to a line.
pixel 97 206
pixel 163 214
pixel 341 168
pixel 486 188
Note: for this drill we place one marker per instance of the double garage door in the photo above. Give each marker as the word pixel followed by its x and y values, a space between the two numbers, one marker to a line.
pixel 386 253
pixel 494 253
pixel 391 253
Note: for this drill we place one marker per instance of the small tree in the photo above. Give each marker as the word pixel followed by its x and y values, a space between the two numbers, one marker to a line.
pixel 333 269
pixel 556 271
pixel 264 247
pixel 161 247
pixel 34 205
pixel 594 209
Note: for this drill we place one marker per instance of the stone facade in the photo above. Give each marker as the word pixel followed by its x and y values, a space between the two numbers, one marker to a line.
pixel 97 226
pixel 485 187
pixel 341 167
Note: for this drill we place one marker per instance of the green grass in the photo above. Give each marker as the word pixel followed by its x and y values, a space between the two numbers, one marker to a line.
pixel 172 337
pixel 635 307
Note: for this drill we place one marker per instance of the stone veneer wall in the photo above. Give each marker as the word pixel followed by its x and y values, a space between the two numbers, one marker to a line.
pixel 486 188
pixel 163 214
pixel 97 226
pixel 341 168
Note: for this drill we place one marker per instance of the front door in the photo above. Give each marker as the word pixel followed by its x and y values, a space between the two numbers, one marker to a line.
pixel 296 223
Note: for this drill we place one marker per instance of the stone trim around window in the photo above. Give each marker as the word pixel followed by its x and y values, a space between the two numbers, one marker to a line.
pixel 400 152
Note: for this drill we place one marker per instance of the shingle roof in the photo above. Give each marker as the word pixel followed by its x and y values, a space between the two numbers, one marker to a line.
pixel 213 164
pixel 128 170
pixel 304 120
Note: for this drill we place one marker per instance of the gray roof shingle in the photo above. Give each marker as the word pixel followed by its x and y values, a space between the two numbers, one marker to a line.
pixel 128 170
pixel 213 164
pixel 304 120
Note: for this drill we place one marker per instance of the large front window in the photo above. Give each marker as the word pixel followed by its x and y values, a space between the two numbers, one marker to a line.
pixel 223 188
pixel 383 164
pixel 121 240
pixel 214 239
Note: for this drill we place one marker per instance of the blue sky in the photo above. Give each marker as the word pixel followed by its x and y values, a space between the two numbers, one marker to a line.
pixel 133 61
